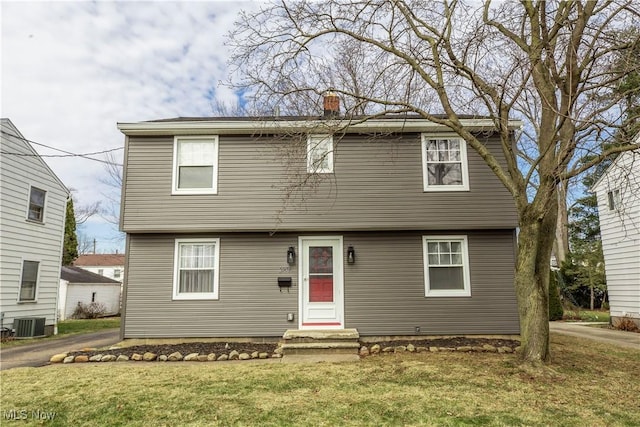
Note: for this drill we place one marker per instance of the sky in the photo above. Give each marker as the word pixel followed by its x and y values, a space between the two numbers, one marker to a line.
pixel 70 71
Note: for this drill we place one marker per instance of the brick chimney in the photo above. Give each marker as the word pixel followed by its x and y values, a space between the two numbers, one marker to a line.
pixel 331 105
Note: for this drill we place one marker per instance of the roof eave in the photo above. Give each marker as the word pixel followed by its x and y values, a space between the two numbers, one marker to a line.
pixel 281 126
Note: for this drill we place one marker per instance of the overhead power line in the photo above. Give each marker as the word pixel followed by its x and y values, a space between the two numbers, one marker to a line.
pixel 67 153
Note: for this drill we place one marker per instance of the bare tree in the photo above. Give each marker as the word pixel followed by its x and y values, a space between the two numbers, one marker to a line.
pixel 84 211
pixel 113 180
pixel 547 63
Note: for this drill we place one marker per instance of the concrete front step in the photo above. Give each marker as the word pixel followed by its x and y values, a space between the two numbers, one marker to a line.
pixel 325 347
pixel 312 335
pixel 320 342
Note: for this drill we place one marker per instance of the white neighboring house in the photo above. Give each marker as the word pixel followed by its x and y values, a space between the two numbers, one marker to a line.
pixel 107 265
pixel 78 285
pixel 32 214
pixel 618 193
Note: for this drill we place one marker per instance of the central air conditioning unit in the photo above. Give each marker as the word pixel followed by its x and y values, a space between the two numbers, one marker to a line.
pixel 29 327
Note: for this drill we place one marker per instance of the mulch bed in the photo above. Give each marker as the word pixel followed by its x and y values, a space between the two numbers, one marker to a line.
pixel 225 348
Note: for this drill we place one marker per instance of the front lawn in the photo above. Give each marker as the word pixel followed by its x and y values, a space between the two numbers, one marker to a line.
pixel 597 386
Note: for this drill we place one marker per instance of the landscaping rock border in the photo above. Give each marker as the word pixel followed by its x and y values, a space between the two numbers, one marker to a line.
pixel 218 352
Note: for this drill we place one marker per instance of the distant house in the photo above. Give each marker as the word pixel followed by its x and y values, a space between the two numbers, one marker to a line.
pixel 406 232
pixel 618 193
pixel 107 265
pixel 33 206
pixel 81 286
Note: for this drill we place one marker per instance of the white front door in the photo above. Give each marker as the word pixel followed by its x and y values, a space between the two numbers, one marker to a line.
pixel 321 283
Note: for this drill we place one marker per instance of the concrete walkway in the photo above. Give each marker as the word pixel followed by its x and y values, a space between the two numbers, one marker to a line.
pixel 603 335
pixel 38 353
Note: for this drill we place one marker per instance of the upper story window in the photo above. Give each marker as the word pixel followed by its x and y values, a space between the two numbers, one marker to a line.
pixel 613 199
pixel 196 269
pixel 116 273
pixel 29 281
pixel 36 204
pixel 444 164
pixel 195 165
pixel 320 154
pixel 446 266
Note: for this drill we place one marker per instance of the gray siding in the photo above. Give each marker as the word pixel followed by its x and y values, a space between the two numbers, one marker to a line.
pixel 384 289
pixel 21 239
pixel 377 185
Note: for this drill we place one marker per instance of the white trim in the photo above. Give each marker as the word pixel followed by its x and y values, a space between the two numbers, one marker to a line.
pixel 463 160
pixel 35 293
pixel 176 267
pixel 44 206
pixel 313 142
pixel 339 287
pixel 259 125
pixel 174 174
pixel 466 292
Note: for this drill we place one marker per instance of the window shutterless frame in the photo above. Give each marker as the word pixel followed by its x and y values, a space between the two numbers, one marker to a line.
pixel 195 165
pixel 188 259
pixel 29 276
pixel 444 163
pixel 446 266
pixel 320 153
pixel 36 204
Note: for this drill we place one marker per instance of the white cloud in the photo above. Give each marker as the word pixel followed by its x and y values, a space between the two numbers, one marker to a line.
pixel 71 70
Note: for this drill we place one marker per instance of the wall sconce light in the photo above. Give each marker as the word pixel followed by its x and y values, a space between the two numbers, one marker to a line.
pixel 351 255
pixel 291 255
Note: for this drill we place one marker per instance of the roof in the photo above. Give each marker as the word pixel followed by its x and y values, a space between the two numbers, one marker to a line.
pixel 635 151
pixel 99 260
pixel 11 131
pixel 80 275
pixel 285 124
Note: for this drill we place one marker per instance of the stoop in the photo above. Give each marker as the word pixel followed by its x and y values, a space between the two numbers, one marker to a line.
pixel 320 345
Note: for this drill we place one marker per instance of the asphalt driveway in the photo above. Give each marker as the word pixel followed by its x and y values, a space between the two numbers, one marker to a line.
pixel 603 335
pixel 38 353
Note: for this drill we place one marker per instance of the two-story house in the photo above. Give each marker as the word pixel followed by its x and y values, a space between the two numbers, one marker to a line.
pixel 618 194
pixel 248 227
pixel 32 214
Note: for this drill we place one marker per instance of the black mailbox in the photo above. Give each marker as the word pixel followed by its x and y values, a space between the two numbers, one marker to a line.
pixel 284 282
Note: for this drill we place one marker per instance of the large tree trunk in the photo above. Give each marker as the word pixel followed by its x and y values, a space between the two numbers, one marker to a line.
pixel 535 243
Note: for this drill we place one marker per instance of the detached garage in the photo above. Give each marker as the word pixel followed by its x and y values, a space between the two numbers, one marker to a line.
pixel 79 286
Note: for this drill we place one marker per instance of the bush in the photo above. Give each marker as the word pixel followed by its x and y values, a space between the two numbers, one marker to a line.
pixel 89 311
pixel 555 307
pixel 626 324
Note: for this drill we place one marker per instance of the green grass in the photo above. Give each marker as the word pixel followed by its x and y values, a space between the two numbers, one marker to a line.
pixel 580 315
pixel 72 327
pixel 596 386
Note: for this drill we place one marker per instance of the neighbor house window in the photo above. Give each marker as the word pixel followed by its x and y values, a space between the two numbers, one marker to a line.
pixel 613 199
pixel 101 271
pixel 320 154
pixel 195 161
pixel 36 204
pixel 446 266
pixel 444 164
pixel 29 281
pixel 196 269
pixel 116 273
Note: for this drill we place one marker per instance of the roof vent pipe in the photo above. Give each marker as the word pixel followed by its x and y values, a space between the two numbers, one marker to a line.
pixel 331 105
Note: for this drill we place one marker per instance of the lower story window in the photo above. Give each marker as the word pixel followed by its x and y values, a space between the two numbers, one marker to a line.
pixel 446 266
pixel 196 269
pixel 29 281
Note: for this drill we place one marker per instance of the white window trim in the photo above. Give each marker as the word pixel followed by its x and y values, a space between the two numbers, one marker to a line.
pixel 174 176
pixel 44 207
pixel 35 300
pixel 176 268
pixel 463 158
pixel 613 200
pixel 466 292
pixel 329 155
